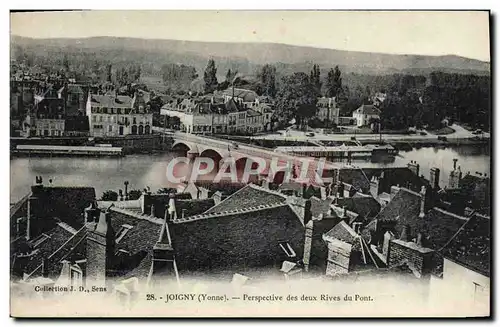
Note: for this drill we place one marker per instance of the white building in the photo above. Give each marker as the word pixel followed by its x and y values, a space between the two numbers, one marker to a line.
pixel 328 110
pixel 117 115
pixel 364 114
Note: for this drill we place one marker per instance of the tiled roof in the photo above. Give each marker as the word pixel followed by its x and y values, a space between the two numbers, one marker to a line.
pixel 192 207
pixel 249 196
pixel 121 101
pixel 138 242
pixel 360 178
pixel 68 203
pixel 403 209
pixel 253 113
pixel 368 109
pixel 471 245
pixel 342 232
pixel 438 227
pixel 42 247
pixel 246 95
pixel 224 188
pixel 365 206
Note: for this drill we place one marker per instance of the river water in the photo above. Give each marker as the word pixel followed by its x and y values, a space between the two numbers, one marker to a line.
pixel 150 170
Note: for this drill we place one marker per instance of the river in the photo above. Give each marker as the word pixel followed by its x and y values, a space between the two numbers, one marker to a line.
pixel 149 170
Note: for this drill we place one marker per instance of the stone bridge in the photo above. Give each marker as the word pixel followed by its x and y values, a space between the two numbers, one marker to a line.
pixel 217 149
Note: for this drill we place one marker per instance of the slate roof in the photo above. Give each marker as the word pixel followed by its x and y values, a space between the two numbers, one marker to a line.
pixel 109 101
pixel 42 247
pixel 138 242
pixel 438 227
pixel 342 232
pixel 368 109
pixel 249 196
pixel 68 203
pixel 360 178
pixel 193 206
pixel 471 245
pixel 365 206
pixel 403 209
pixel 246 95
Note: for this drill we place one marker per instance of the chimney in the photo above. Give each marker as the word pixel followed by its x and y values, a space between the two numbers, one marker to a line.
pixel 265 184
pixel 455 163
pixel 385 247
pixel 414 167
pixel 145 201
pixel 422 202
pixel 152 214
pixel 171 207
pixel 308 244
pixel 307 211
pixel 100 250
pixel 356 227
pixel 323 193
pixel 91 213
pixel 419 239
pixel 404 233
pixel 434 178
pixel 217 197
pixel 394 191
pixel 374 187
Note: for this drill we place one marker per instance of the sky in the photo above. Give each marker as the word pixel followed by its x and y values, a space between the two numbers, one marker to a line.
pixel 462 33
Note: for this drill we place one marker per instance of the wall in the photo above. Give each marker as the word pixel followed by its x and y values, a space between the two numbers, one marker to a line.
pixel 234 243
pixel 463 290
pixel 400 252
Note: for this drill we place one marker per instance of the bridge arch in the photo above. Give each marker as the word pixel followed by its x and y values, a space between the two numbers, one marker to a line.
pixel 180 146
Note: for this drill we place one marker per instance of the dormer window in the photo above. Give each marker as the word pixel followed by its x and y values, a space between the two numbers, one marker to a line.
pixel 122 232
pixel 287 248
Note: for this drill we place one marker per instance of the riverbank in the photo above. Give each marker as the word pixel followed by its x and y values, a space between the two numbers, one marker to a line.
pixel 130 144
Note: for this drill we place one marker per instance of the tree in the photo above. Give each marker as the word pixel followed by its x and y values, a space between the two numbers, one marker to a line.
pixel 267 79
pixel 334 82
pixel 134 194
pixel 315 79
pixel 109 195
pixel 210 77
pixel 296 98
pixel 108 70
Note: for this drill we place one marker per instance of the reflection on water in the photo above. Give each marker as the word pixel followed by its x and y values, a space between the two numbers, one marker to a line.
pixel 150 170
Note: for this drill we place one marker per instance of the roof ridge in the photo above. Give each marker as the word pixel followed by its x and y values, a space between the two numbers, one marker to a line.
pixel 451 214
pixel 67 227
pixel 229 212
pixel 260 188
pixel 136 215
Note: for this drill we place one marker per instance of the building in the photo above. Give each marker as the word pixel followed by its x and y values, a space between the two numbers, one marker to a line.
pixel 118 115
pixel 328 110
pixel 244 97
pixel 365 114
pixel 46 117
pixel 74 98
pixel 210 115
pixel 465 261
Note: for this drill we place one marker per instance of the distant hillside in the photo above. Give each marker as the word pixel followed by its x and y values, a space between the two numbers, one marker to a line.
pixel 247 57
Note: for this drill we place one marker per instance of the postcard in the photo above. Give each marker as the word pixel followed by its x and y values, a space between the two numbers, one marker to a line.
pixel 250 164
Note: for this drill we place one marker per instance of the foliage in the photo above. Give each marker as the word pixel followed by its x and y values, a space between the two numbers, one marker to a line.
pixel 109 195
pixel 178 76
pixel 267 81
pixel 210 77
pixel 315 79
pixel 134 194
pixel 296 98
pixel 334 82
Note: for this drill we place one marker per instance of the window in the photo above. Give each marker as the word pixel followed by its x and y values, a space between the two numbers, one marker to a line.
pixel 110 128
pixel 287 248
pixel 93 119
pixel 122 232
